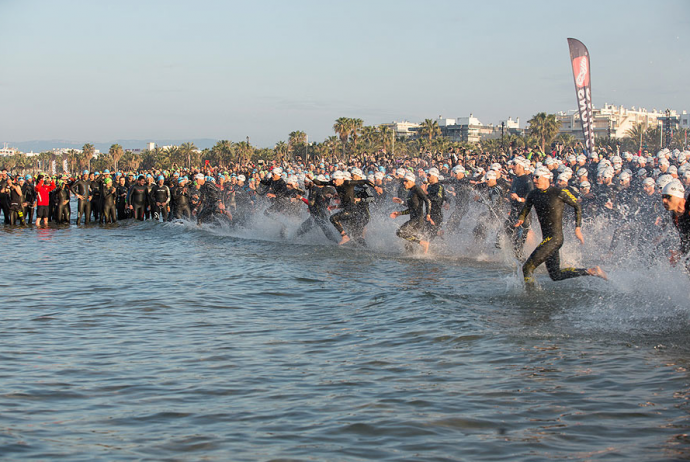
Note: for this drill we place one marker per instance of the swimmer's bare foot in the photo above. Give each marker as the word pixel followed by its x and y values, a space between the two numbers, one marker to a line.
pixel 425 246
pixel 598 272
pixel 344 240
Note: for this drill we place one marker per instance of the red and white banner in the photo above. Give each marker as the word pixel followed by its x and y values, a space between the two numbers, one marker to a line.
pixel 579 58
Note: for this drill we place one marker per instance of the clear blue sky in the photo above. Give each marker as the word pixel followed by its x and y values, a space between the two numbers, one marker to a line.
pixel 94 71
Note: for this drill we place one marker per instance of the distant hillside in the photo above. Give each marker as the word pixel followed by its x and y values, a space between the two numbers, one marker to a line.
pixel 48 145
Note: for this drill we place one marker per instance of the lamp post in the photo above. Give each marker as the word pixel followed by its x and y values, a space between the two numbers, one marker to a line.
pixel 503 125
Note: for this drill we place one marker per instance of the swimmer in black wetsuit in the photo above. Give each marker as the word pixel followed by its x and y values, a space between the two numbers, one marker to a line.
pixel 520 188
pixel 121 198
pixel 181 196
pixel 159 198
pixel 354 213
pixel 673 198
pixel 108 195
pixel 82 189
pixel 548 202
pixel 417 201
pixel 317 203
pixel 137 198
pixel 62 206
pixel 436 193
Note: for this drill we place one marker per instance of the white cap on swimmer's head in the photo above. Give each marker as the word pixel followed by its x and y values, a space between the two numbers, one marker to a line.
pixel 434 172
pixel 409 176
pixel 490 175
pixel 543 172
pixel 338 175
pixel 663 180
pixel 675 189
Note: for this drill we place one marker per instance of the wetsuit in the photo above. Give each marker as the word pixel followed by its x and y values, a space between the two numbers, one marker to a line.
pixel 148 207
pixel 182 206
pixel 97 198
pixel 522 185
pixel 137 199
pixel 159 195
pixel 83 188
pixel 317 203
pixel 5 200
pixel 549 206
pixel 414 229
pixel 463 191
pixel 29 197
pixel 280 203
pixel 210 200
pixel 682 224
pixel 16 207
pixel 353 214
pixel 109 211
pixel 121 202
pixel 62 207
pixel 243 198
pixel 437 195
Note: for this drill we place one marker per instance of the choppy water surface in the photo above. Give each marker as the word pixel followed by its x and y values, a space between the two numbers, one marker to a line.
pixel 169 342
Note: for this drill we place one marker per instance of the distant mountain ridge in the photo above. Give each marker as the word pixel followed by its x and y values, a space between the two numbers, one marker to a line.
pixel 48 145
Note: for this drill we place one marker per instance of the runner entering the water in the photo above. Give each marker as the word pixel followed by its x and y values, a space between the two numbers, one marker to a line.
pixel 549 201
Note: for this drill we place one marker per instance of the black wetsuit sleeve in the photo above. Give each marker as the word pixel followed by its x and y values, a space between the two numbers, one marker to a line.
pixel 527 207
pixel 424 198
pixel 566 196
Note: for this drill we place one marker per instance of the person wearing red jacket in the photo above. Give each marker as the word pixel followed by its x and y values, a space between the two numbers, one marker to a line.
pixel 43 200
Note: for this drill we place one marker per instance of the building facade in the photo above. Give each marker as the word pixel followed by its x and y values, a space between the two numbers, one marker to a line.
pixel 403 129
pixel 614 121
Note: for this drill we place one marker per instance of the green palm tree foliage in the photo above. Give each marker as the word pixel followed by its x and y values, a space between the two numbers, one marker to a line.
pixel 544 127
pixel 429 129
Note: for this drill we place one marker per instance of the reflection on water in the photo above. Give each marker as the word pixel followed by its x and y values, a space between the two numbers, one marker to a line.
pixel 176 342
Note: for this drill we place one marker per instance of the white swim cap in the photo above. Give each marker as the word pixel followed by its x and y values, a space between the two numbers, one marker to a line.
pixel 674 188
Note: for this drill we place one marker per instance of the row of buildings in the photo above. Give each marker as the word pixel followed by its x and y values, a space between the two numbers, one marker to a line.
pixel 609 122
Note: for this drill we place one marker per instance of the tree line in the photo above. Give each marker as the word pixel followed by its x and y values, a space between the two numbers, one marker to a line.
pixel 352 139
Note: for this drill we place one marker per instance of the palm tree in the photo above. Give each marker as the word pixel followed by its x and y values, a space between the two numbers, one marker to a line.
pixel 87 152
pixel 430 129
pixel 566 139
pixel 296 142
pixel 224 150
pixel 387 138
pixel 331 144
pixel 131 160
pixel 342 129
pixel 544 127
pixel 281 150
pixel 116 152
pixel 355 128
pixel 244 152
pixel 187 150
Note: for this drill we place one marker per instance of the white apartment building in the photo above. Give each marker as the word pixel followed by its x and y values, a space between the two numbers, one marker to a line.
pixel 6 151
pixel 403 129
pixel 615 120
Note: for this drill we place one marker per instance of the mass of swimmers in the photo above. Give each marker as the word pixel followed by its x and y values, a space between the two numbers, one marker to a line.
pixel 643 195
